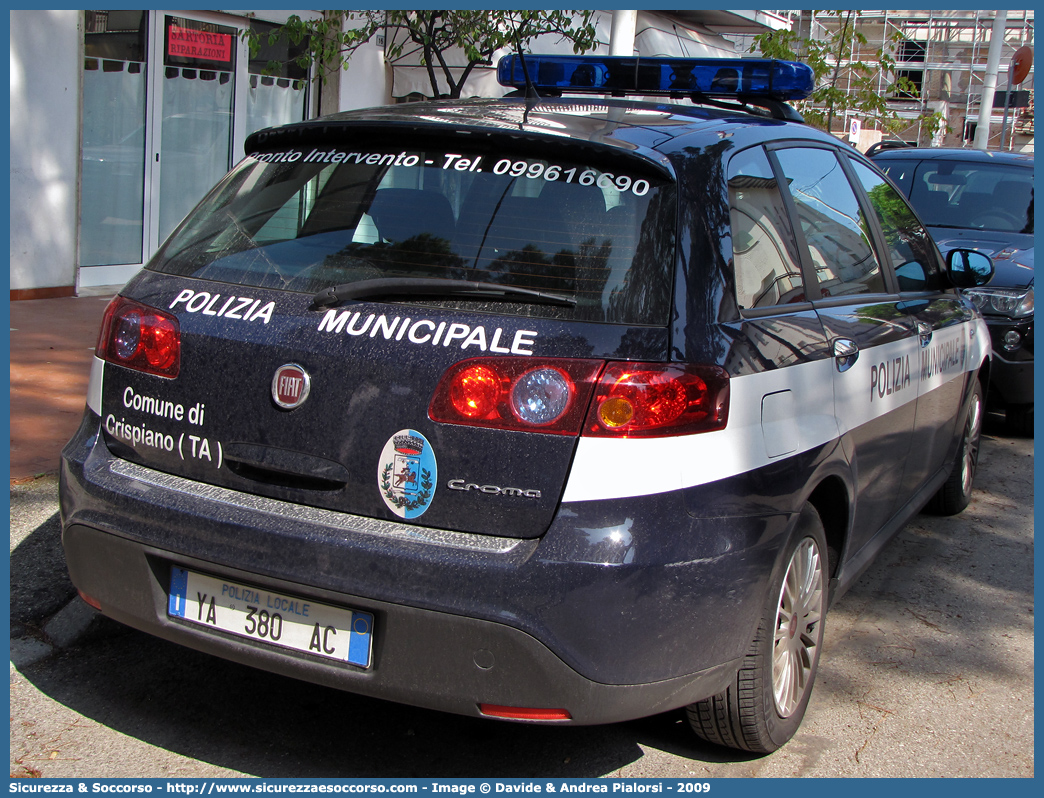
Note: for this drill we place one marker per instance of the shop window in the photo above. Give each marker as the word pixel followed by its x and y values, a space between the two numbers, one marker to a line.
pixel 196 130
pixel 113 121
pixel 277 94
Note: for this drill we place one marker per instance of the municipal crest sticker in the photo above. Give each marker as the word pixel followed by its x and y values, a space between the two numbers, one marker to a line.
pixel 407 473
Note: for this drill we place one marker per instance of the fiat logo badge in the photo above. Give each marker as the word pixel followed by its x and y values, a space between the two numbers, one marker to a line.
pixel 290 386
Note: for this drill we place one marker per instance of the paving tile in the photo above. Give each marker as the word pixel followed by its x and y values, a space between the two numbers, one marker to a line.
pixel 52 343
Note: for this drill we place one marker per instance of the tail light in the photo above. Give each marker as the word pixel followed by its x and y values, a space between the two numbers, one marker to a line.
pixel 655 400
pixel 140 337
pixel 566 397
pixel 533 394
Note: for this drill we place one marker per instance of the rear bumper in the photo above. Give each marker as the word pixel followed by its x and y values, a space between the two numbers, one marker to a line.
pixel 421 657
pixel 621 610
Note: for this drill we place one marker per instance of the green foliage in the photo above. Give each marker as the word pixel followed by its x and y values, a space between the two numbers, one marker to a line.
pixel 842 85
pixel 898 223
pixel 932 123
pixel 476 33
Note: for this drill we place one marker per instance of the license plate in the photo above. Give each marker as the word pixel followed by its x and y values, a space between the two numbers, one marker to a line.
pixel 281 620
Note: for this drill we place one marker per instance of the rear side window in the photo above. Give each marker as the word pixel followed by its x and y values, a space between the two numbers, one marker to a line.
pixel 913 256
pixel 765 261
pixel 832 222
pixel 602 233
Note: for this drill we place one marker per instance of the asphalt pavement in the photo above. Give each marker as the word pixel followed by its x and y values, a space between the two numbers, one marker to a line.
pixel 52 344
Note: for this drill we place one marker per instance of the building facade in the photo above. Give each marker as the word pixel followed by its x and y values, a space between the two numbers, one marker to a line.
pixel 943 56
pixel 120 121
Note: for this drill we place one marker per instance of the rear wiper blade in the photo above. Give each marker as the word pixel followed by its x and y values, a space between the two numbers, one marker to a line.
pixel 433 286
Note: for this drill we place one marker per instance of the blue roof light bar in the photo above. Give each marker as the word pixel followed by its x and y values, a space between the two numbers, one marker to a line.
pixel 736 78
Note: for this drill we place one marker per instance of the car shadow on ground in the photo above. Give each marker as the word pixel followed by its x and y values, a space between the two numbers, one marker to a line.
pixel 40 584
pixel 937 633
pixel 265 725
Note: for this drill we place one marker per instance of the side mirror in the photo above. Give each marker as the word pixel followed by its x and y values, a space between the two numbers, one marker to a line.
pixel 968 268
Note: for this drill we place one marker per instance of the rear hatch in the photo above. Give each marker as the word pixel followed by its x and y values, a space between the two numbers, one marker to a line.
pixel 335 298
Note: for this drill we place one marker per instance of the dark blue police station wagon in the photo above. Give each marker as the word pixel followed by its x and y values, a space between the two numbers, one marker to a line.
pixel 555 409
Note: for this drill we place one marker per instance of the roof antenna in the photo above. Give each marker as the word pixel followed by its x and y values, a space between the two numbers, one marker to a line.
pixel 531 93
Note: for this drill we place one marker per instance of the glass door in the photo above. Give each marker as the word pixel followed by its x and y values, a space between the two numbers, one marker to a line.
pixel 113 163
pixel 198 82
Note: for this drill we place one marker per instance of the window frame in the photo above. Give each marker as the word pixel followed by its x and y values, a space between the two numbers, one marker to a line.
pixel 774 309
pixel 880 239
pixel 875 235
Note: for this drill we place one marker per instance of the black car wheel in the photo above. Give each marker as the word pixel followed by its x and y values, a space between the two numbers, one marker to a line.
pixel 763 707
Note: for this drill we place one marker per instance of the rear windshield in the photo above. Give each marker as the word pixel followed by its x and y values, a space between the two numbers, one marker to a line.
pixel 309 218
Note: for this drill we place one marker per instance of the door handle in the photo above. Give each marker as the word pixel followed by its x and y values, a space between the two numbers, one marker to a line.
pixel 924 332
pixel 846 352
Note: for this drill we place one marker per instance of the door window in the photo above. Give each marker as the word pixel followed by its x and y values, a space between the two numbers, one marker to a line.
pixel 167 101
pixel 765 262
pixel 835 230
pixel 913 255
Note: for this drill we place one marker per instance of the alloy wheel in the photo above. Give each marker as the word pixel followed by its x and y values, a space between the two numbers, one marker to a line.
pixel 798 615
pixel 971 445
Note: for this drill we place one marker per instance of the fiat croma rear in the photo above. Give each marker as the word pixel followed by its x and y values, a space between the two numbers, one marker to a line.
pixel 561 410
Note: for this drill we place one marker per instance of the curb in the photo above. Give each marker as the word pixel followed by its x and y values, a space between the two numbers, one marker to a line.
pixel 63 630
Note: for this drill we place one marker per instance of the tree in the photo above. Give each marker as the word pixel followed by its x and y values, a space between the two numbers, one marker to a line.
pixel 831 59
pixel 332 40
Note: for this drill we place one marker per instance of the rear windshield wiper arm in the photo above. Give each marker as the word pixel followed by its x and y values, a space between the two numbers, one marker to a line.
pixel 433 286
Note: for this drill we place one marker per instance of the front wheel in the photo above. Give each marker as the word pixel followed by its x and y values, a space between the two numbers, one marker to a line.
pixel 955 494
pixel 763 707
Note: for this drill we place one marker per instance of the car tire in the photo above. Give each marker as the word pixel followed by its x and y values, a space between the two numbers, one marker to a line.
pixel 955 494
pixel 1019 420
pixel 763 707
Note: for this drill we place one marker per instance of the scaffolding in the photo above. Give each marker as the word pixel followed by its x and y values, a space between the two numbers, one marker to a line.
pixel 943 54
